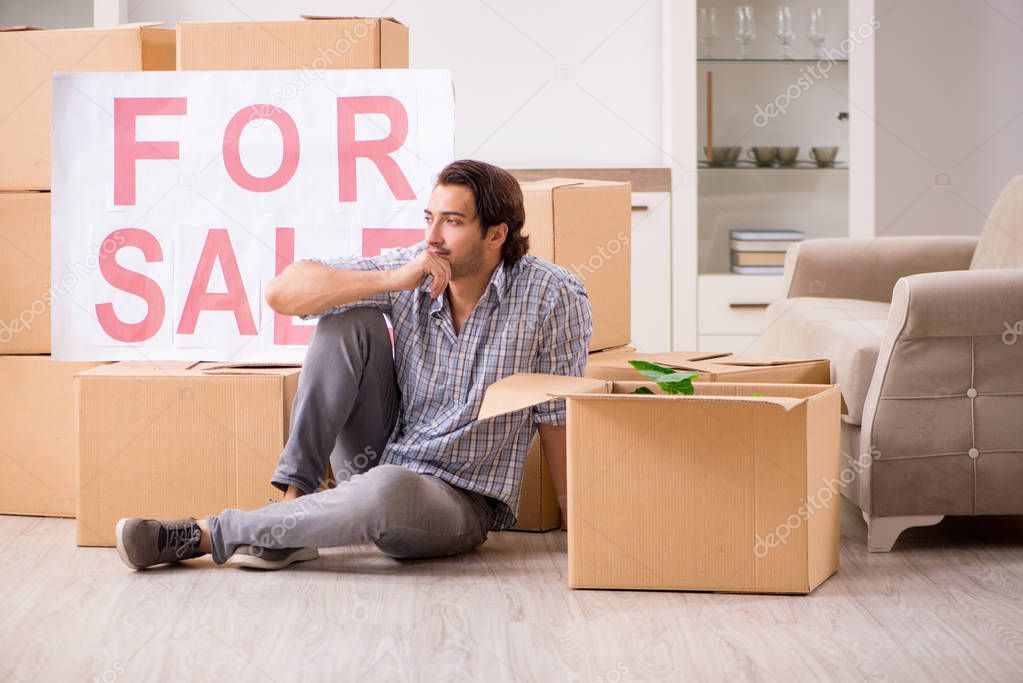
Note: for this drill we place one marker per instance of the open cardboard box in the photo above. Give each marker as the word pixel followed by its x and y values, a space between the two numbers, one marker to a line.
pixel 713 367
pixel 725 490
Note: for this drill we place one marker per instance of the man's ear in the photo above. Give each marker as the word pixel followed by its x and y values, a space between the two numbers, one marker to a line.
pixel 497 235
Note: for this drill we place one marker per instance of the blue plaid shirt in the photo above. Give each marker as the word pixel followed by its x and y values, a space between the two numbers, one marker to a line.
pixel 534 316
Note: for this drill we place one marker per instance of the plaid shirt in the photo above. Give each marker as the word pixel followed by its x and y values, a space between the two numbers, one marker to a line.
pixel 533 317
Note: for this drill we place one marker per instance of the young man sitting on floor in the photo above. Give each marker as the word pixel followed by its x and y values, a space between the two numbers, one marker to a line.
pixel 418 474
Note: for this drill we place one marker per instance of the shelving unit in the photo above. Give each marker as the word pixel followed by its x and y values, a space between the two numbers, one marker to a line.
pixel 810 198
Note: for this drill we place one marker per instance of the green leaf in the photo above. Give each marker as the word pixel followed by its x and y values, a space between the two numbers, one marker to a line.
pixel 671 381
pixel 757 393
pixel 642 390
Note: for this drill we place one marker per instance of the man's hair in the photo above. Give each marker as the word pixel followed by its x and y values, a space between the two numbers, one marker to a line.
pixel 498 198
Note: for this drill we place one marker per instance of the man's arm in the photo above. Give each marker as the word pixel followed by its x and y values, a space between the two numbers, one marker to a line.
pixel 309 288
pixel 555 449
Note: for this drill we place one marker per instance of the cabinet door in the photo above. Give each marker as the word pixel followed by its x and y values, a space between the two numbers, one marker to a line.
pixel 651 271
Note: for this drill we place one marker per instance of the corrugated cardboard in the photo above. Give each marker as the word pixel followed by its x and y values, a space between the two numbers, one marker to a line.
pixel 169 440
pixel 27 60
pixel 538 502
pixel 713 367
pixel 694 492
pixel 24 272
pixel 313 43
pixel 585 226
pixel 37 426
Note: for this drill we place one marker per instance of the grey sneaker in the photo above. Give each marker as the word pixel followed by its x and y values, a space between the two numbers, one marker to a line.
pixel 257 557
pixel 145 542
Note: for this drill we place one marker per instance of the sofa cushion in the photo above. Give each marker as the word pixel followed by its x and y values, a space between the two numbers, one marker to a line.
pixel 848 332
pixel 1001 242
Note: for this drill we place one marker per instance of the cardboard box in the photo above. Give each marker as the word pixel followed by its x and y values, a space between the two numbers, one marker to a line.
pixel 313 43
pixel 713 367
pixel 538 501
pixel 27 60
pixel 177 439
pixel 37 428
pixel 585 226
pixel 25 272
pixel 724 490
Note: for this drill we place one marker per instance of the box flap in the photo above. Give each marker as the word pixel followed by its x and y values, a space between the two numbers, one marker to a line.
pixel 624 389
pixel 141 24
pixel 549 183
pixel 524 390
pixel 19 28
pixel 322 17
pixel 766 360
pixel 248 368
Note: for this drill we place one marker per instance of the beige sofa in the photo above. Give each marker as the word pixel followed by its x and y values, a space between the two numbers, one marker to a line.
pixel 925 337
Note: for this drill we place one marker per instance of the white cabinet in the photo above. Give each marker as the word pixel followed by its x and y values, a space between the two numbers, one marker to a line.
pixel 731 309
pixel 651 271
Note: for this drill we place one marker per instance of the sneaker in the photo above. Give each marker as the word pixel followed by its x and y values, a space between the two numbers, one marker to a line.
pixel 146 542
pixel 257 557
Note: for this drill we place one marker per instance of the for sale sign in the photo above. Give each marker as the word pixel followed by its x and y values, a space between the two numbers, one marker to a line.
pixel 177 196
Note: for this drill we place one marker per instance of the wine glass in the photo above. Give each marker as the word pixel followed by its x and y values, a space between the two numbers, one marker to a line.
pixel 818 31
pixel 708 29
pixel 745 30
pixel 783 30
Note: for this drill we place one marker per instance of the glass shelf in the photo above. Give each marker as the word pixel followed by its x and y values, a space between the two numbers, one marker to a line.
pixel 750 166
pixel 766 60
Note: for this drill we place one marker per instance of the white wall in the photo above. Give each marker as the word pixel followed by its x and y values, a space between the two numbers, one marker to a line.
pixel 949 112
pixel 538 84
pixel 46 14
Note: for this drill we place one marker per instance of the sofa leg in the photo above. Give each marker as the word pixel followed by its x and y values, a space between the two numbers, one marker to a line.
pixel 882 532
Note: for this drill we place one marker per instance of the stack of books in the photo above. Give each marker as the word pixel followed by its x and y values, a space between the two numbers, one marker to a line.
pixel 761 252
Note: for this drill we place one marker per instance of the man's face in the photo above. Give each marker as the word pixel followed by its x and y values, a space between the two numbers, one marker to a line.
pixel 453 230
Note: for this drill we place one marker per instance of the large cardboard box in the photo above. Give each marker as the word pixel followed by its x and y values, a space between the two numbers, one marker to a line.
pixel 613 364
pixel 37 428
pixel 25 294
pixel 313 43
pixel 735 488
pixel 538 508
pixel 28 58
pixel 177 439
pixel 585 226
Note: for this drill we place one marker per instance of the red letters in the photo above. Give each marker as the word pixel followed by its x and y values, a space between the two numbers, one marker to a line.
pixel 289 137
pixel 128 149
pixel 348 148
pixel 217 247
pixel 133 283
pixel 286 331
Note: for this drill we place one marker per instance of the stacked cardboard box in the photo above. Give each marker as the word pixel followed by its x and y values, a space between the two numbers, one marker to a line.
pixel 584 226
pixel 174 439
pixel 36 399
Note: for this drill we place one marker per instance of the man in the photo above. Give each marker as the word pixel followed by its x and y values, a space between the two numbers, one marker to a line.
pixel 418 474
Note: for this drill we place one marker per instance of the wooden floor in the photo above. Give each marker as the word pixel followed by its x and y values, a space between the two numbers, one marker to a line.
pixel 947 605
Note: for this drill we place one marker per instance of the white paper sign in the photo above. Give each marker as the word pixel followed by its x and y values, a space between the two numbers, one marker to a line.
pixel 177 196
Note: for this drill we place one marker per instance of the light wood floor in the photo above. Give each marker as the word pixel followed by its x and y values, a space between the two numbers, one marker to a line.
pixel 947 605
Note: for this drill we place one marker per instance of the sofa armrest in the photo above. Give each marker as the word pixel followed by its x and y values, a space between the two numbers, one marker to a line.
pixel 867 268
pixel 942 410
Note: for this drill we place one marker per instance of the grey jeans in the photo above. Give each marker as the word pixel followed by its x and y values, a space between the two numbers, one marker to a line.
pixel 345 409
